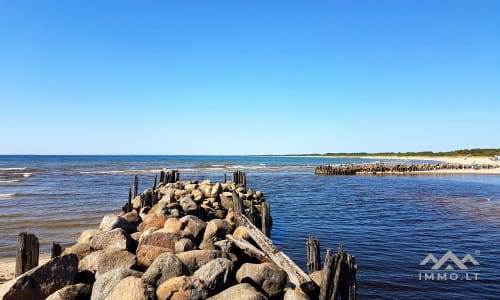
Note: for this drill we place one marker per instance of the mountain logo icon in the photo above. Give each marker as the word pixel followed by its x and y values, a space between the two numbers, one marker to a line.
pixel 449 261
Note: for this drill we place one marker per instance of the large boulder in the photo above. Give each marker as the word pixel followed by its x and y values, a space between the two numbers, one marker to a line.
pixel 79 291
pixel 132 217
pixel 116 238
pixel 184 245
pixel 159 209
pixel 182 287
pixel 152 221
pixel 164 267
pixel 189 206
pixel 132 288
pixel 43 280
pixel 216 230
pixel 110 222
pixel 102 261
pixel 216 274
pixel 80 250
pixel 194 226
pixel 267 276
pixel 194 259
pixel 161 238
pixel 105 284
pixel 146 254
pixel 242 291
pixel 87 235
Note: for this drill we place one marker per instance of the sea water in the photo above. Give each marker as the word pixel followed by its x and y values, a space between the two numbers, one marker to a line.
pixel 389 223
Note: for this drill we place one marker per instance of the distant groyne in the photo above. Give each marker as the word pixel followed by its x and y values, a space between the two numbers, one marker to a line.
pixel 399 169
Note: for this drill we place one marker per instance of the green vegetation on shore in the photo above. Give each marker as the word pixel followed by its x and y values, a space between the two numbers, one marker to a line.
pixel 490 152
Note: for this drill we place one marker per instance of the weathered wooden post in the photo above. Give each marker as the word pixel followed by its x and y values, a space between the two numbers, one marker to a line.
pixel 136 185
pixel 338 268
pixel 313 255
pixel 27 253
pixel 56 250
pixel 327 278
pixel 237 206
pixel 162 176
pixel 176 176
pixel 129 203
pixel 225 178
pixel 266 219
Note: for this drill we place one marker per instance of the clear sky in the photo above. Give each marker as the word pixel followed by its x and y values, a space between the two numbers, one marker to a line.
pixel 248 77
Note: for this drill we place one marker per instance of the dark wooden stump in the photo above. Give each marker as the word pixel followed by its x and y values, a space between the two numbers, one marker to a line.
pixel 27 253
pixel 56 250
pixel 136 185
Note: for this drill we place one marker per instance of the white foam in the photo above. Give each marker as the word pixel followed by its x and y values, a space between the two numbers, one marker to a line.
pixel 12 169
pixel 7 195
pixel 9 181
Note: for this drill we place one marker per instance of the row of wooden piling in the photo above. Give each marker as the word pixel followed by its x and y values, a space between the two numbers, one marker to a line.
pixel 395 169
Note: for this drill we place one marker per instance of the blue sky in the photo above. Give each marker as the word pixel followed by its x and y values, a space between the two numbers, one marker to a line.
pixel 248 77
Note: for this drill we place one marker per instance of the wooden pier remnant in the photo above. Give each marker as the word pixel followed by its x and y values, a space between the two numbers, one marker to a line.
pixel 27 253
pixel 313 255
pixel 338 276
pixel 240 177
pixel 395 169
pixel 298 277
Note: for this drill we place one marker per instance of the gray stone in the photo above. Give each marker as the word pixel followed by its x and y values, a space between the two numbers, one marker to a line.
pixel 103 261
pixel 132 217
pixel 194 259
pixel 110 222
pixel 184 245
pixel 116 238
pixel 216 230
pixel 79 291
pixel 164 267
pixel 216 274
pixel 194 226
pixel 104 284
pixel 80 250
pixel 189 206
pixel 242 291
pixel 269 277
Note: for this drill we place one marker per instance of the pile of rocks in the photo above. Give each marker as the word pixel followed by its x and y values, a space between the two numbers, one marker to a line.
pixel 175 242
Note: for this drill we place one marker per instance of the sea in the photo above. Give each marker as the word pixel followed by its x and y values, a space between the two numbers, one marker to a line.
pixel 414 237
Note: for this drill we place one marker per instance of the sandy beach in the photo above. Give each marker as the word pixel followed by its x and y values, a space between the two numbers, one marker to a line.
pixel 8 265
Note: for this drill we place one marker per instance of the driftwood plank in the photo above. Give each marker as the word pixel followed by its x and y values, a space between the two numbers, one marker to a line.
pixel 298 277
pixel 248 249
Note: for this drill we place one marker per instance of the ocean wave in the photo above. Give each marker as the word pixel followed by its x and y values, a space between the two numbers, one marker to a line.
pixel 9 181
pixel 114 172
pixel 7 195
pixel 12 169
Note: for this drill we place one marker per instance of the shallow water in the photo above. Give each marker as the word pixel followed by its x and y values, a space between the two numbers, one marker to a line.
pixel 389 223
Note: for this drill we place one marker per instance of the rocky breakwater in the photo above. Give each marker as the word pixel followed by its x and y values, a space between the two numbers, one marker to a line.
pixel 180 240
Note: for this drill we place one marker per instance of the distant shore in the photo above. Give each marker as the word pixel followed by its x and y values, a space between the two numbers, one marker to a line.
pixel 466 160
